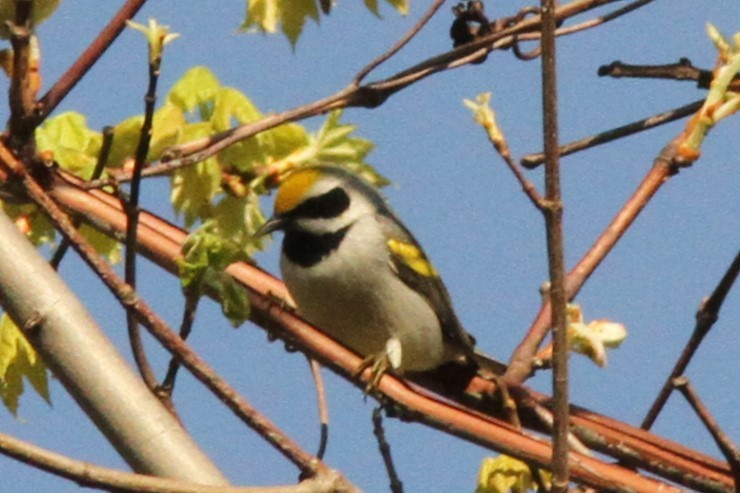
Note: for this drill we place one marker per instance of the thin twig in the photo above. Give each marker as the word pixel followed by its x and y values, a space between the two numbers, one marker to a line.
pixel 666 165
pixel 188 318
pixel 318 381
pixel 729 450
pixel 565 31
pixel 553 212
pixel 706 316
pixel 92 476
pixel 531 161
pixel 156 326
pixel 598 21
pixel 369 95
pixel 162 242
pixel 102 162
pixel 79 68
pixel 683 70
pixel 132 216
pixel 396 484
pixel 21 93
pixel 399 44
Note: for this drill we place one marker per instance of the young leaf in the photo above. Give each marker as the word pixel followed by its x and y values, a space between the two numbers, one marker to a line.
pixel 18 359
pixel 505 474
pixel 193 187
pixel 33 223
pixel 206 254
pixel 402 6
pixel 264 15
pixel 74 146
pixel 167 127
pixel 196 89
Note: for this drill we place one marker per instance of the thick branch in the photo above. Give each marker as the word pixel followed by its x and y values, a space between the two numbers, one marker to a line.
pixel 158 327
pixel 161 242
pixel 92 476
pixel 90 368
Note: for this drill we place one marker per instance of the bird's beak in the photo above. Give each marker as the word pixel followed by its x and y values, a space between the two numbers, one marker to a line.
pixel 273 224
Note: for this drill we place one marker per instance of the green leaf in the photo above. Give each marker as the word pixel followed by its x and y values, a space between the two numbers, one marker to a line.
pixel 34 223
pixel 109 247
pixel 74 146
pixel 234 299
pixel 335 144
pixel 206 254
pixel 402 6
pixel 293 15
pixel 238 219
pixel 264 16
pixel 18 359
pixel 167 127
pixel 196 89
pixel 193 187
pixel 230 106
pixel 505 474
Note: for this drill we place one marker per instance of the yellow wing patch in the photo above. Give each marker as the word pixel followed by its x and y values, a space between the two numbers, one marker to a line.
pixel 293 189
pixel 412 256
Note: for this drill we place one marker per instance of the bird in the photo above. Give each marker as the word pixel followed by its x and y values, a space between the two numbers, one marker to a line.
pixel 356 272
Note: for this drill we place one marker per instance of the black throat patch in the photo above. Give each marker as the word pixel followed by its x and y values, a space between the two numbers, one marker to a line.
pixel 307 249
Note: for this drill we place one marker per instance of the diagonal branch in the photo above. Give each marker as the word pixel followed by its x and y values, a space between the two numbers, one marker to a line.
pixel 731 453
pixel 666 165
pixel 531 161
pixel 161 242
pixel 130 300
pixel 706 316
pixel 79 68
pixel 398 45
pixel 92 476
pixel 369 95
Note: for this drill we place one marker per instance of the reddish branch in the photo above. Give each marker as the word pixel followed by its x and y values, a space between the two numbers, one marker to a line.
pixel 553 213
pixel 369 95
pixel 161 242
pixel 91 55
pixel 665 166
pixel 531 161
pixel 16 171
pixel 731 453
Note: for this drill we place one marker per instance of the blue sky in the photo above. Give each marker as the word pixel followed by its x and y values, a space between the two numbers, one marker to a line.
pixel 462 204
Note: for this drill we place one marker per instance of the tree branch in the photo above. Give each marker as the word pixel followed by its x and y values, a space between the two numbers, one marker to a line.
pixel 531 161
pixel 666 165
pixel 93 476
pixel 553 213
pixel 706 316
pixel 369 95
pixel 731 453
pixel 79 68
pixel 161 242
pixel 158 327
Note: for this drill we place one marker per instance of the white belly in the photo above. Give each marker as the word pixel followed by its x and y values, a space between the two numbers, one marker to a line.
pixel 360 302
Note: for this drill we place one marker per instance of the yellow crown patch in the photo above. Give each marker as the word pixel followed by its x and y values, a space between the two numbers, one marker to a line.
pixel 412 256
pixel 291 191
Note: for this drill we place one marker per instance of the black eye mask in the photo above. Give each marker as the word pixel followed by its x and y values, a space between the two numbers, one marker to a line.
pixel 325 206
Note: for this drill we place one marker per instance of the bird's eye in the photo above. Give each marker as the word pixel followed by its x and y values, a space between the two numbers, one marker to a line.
pixel 330 204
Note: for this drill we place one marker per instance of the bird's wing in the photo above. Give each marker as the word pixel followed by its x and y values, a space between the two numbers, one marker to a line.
pixel 412 266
